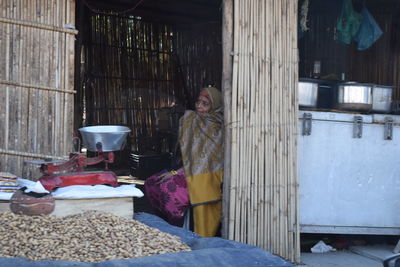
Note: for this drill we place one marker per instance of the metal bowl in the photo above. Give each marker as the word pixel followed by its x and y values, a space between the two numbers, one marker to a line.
pixel 104 138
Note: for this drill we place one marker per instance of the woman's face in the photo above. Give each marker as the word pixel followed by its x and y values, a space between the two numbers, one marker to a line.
pixel 203 104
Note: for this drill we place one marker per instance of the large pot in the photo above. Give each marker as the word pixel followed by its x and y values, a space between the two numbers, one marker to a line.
pixel 316 93
pixel 354 97
pixel 382 98
pixel 308 93
pixel 31 203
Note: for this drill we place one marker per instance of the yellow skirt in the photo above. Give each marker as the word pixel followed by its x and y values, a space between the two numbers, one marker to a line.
pixel 207 218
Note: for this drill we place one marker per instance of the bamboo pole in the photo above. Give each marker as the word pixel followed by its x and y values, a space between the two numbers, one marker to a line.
pixel 38 87
pixel 258 126
pixel 16 107
pixel 66 101
pixel 21 104
pixel 38 26
pixel 246 160
pixel 253 90
pixel 260 112
pixel 285 125
pixel 233 126
pixel 245 119
pixel 23 57
pixel 258 129
pixel 227 83
pixel 240 121
pixel 29 155
pixel 240 126
pixel 273 136
pixel 265 163
pixel 252 127
pixel 53 79
pixel 239 206
pixel 272 129
pixel 245 123
pixel 7 88
pixel 280 239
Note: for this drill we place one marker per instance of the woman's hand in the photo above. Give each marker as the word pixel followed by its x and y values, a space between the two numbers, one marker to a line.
pixel 164 177
pixel 167 175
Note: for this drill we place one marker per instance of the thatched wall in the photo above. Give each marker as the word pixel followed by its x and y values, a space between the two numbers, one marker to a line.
pixel 36 82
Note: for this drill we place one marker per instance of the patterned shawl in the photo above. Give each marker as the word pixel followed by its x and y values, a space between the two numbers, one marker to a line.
pixel 201 143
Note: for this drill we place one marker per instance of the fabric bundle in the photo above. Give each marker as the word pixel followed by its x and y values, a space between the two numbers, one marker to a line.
pixel 8 182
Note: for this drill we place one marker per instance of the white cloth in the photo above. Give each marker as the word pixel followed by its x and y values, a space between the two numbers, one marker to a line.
pixel 321 247
pixel 96 191
pixel 80 191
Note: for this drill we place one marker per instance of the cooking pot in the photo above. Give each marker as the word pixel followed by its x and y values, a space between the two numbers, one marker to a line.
pixel 354 96
pixel 308 92
pixel 382 98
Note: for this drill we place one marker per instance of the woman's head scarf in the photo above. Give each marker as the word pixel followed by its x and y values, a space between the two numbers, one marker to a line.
pixel 214 95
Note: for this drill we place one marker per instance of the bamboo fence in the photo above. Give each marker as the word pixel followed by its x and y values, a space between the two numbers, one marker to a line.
pixel 263 187
pixel 36 82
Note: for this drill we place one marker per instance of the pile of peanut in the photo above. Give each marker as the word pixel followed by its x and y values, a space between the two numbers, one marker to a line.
pixel 87 237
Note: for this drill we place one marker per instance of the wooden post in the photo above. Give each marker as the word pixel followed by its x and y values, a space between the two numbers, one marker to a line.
pixel 227 45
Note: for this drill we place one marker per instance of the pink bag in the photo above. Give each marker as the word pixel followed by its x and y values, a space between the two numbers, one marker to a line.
pixel 170 197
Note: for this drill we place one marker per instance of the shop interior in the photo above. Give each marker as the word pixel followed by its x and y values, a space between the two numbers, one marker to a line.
pixel 141 65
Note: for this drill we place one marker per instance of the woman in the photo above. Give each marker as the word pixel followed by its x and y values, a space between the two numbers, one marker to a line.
pixel 201 146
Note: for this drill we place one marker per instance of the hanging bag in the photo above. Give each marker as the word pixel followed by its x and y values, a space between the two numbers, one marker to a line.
pixel 349 22
pixel 369 31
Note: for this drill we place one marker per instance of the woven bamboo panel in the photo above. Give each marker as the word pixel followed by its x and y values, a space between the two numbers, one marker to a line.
pixel 36 82
pixel 263 187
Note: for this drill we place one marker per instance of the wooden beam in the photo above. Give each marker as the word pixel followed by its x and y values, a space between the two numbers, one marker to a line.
pixel 159 10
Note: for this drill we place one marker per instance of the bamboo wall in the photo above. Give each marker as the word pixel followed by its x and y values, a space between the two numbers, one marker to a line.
pixel 263 187
pixel 36 82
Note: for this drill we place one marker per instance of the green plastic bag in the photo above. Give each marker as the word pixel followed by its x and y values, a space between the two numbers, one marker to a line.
pixel 349 22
